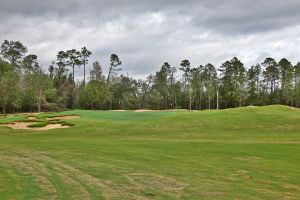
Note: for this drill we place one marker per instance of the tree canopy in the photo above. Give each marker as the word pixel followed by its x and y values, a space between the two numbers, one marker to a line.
pixel 26 86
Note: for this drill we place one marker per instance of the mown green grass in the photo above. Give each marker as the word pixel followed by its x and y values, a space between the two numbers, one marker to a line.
pixel 243 153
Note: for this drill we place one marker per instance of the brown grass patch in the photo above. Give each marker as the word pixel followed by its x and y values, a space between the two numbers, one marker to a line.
pixel 292 187
pixel 26 165
pixel 248 158
pixel 156 182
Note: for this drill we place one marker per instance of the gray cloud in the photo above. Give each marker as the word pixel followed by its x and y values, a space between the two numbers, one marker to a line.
pixel 147 33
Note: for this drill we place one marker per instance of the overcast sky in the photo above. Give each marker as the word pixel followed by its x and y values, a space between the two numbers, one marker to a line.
pixel 146 33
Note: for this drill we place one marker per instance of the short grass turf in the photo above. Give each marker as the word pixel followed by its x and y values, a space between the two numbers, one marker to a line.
pixel 243 153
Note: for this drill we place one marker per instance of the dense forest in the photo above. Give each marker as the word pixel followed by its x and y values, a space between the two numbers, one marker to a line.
pixel 25 86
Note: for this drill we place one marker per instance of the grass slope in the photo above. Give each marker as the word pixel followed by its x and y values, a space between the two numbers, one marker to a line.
pixel 243 153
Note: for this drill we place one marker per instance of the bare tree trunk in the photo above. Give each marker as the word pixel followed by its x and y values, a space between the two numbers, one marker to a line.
pixel 39 100
pixel 111 102
pixel 240 104
pixel 217 99
pixel 3 109
pixel 83 73
pixel 73 74
pixel 77 98
pixel 190 102
pixel 109 73
pixel 200 102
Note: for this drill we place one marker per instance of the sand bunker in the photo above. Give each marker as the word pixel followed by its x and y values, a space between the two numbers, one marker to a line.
pixel 31 117
pixel 144 110
pixel 24 125
pixel 51 126
pixel 63 117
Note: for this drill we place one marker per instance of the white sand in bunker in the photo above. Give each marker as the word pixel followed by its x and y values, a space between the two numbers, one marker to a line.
pixel 24 125
pixel 63 117
pixel 31 117
pixel 145 110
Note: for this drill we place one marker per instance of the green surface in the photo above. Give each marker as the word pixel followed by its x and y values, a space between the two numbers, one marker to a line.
pixel 244 153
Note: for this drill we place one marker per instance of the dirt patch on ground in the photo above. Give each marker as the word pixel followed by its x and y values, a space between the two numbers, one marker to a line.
pixel 24 125
pixel 65 117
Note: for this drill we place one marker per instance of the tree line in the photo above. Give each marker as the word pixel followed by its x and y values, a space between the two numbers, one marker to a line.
pixel 25 86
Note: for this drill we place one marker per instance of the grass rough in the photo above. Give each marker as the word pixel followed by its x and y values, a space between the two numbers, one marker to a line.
pixel 242 153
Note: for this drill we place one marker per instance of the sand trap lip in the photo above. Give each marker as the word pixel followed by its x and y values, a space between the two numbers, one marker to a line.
pixel 24 125
pixel 63 117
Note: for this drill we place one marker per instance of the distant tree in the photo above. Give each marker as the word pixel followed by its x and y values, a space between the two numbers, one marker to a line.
pixel 286 74
pixel 9 87
pixel 210 82
pixel 73 59
pixel 60 71
pixel 96 72
pixel 253 80
pixel 161 82
pixel 186 69
pixel 13 51
pixel 240 79
pixel 84 54
pixel 271 73
pixel 51 70
pixel 171 83
pixel 115 63
pixel 124 93
pixel 144 88
pixel 30 63
pixel 197 84
pixel 296 81
pixel 233 81
pixel 96 94
pixel 37 83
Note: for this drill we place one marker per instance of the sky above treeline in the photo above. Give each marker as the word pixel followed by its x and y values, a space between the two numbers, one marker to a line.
pixel 147 33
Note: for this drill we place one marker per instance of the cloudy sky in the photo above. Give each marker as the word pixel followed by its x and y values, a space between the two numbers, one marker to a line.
pixel 146 33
